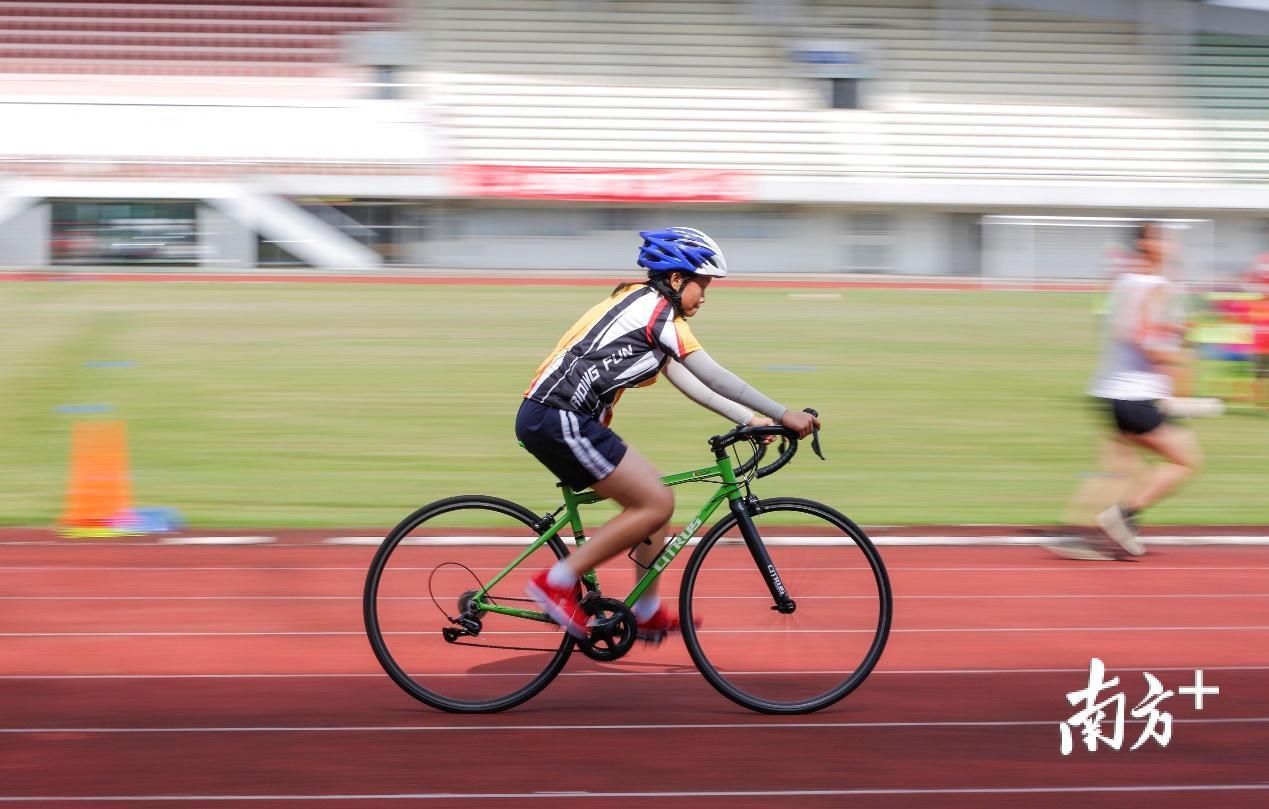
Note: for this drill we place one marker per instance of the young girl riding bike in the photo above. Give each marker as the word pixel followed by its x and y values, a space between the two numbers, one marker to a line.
pixel 624 342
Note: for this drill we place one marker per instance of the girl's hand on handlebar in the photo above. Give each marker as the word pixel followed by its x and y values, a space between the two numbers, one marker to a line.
pixel 762 421
pixel 799 422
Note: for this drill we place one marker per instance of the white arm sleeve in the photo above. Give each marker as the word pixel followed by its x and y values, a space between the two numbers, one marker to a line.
pixel 728 385
pixel 696 390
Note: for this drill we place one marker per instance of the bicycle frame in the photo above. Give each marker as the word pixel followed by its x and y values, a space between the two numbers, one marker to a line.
pixel 569 515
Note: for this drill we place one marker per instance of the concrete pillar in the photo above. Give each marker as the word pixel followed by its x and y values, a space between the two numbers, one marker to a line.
pixel 25 235
pixel 224 244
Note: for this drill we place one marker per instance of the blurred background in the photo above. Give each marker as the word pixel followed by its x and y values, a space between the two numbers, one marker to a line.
pixel 1006 146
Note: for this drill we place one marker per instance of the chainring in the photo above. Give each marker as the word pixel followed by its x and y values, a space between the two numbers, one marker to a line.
pixel 611 629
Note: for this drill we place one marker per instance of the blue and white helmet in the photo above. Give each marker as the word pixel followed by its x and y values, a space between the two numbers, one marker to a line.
pixel 682 249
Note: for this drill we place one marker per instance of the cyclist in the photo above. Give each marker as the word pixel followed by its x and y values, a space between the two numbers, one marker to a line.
pixel 624 342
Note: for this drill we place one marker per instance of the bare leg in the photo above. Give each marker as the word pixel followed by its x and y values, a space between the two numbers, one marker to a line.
pixel 1179 448
pixel 1119 465
pixel 647 505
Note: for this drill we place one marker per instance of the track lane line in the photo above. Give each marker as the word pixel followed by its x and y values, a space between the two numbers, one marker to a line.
pixel 1058 566
pixel 684 673
pixel 771 725
pixel 762 793
pixel 992 597
pixel 867 631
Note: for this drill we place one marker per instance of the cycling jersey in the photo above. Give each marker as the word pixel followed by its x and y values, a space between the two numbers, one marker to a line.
pixel 620 343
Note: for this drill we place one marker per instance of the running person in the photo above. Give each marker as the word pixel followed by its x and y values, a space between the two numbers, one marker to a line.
pixel 624 342
pixel 1141 348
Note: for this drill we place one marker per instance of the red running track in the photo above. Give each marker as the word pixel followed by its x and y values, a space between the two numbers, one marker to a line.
pixel 239 676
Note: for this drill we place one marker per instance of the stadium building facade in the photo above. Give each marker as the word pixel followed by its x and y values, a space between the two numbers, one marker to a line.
pixel 920 137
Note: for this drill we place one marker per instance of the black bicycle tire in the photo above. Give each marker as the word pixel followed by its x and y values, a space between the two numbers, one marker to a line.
pixel 870 659
pixel 375 635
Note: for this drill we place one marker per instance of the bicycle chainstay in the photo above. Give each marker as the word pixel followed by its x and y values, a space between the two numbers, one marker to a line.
pixel 576 646
pixel 500 646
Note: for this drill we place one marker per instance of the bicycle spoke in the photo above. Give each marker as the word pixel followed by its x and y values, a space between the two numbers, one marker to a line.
pixel 802 660
pixel 426 582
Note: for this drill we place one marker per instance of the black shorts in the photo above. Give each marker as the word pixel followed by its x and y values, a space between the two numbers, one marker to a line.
pixel 574 446
pixel 1135 417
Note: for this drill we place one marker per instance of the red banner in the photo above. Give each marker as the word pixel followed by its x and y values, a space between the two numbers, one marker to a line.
pixel 601 184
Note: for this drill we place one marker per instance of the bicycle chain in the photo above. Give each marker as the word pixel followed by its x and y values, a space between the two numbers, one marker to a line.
pixel 514 648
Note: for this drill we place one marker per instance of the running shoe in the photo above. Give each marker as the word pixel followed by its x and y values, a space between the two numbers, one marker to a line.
pixel 1122 529
pixel 1081 551
pixel 559 603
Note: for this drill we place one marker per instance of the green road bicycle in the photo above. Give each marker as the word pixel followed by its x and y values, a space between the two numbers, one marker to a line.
pixel 785 602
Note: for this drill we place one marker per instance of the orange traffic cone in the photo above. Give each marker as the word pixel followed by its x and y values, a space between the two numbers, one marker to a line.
pixel 99 496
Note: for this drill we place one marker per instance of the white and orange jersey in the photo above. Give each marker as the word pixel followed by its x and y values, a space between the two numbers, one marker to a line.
pixel 622 342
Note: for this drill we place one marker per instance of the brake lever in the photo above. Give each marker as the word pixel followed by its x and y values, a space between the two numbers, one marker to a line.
pixel 815 434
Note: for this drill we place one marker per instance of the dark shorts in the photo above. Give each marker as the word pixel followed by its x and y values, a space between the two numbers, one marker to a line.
pixel 574 446
pixel 1135 417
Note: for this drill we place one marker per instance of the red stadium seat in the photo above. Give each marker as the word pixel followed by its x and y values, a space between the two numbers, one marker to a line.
pixel 238 37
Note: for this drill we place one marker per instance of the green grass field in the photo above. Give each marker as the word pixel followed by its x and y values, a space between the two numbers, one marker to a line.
pixel 328 405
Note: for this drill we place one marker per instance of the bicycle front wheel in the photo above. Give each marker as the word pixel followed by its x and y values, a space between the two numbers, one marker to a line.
pixel 806 659
pixel 425 573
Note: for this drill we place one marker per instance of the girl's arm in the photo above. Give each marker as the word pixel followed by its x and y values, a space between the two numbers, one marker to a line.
pixel 696 390
pixel 726 384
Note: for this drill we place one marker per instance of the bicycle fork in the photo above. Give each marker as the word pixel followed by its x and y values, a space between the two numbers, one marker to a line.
pixel 783 604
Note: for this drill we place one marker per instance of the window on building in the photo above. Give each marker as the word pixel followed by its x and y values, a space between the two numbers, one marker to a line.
pixel 391 228
pixel 870 242
pixel 124 232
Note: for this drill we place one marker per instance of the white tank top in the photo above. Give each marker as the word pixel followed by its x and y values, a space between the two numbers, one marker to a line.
pixel 1124 371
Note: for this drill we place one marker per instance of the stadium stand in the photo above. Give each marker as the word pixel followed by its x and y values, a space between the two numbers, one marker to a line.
pixel 138 74
pixel 1026 95
pixel 231 37
pixel 621 84
pixel 1032 94
pixel 159 99
pixel 1035 95
pixel 964 107
pixel 1228 77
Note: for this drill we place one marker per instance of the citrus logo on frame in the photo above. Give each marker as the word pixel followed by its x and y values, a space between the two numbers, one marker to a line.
pixel 675 544
pixel 776 578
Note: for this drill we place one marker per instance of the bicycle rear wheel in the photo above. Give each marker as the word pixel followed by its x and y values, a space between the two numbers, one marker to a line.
pixel 786 663
pixel 423 575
